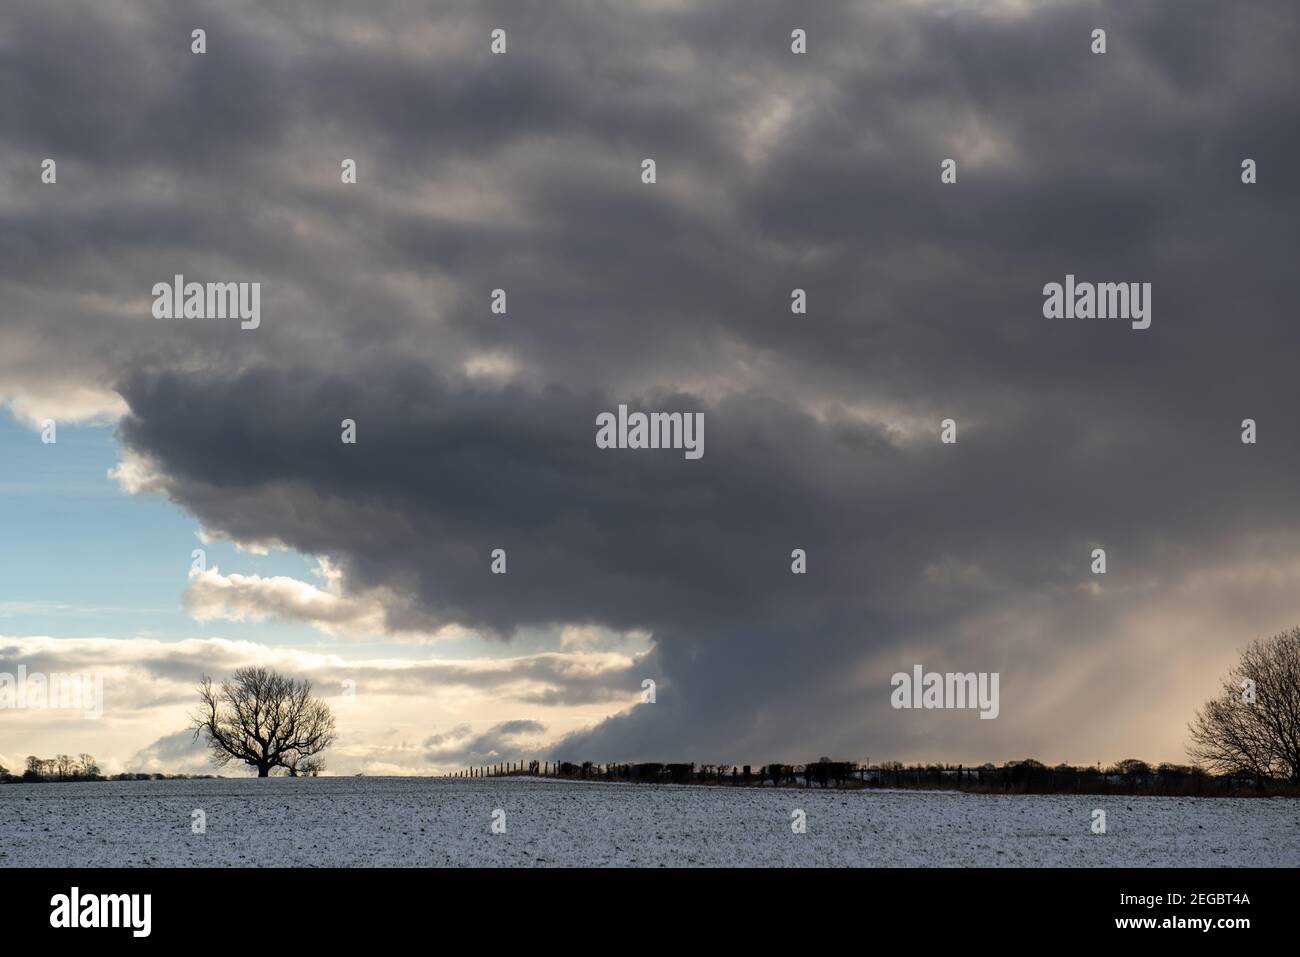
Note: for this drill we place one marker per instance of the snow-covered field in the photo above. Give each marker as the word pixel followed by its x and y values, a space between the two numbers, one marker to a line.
pixel 435 822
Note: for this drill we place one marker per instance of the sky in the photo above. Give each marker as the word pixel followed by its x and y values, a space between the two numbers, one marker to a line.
pixel 366 567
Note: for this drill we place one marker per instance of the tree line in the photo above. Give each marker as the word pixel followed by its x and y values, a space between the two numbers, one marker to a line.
pixel 83 767
pixel 1027 776
pixel 61 767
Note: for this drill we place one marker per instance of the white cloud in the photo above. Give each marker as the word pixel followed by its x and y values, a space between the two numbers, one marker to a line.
pixel 32 405
pixel 135 473
pixel 212 596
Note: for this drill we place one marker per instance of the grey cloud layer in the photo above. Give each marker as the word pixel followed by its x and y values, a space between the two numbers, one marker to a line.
pixel 775 171
pixel 506 741
pixel 146 673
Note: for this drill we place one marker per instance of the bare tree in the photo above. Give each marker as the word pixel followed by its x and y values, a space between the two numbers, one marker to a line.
pixel 1253 727
pixel 304 767
pixel 265 720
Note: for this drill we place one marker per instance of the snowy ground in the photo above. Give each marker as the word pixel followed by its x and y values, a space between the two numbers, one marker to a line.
pixel 434 822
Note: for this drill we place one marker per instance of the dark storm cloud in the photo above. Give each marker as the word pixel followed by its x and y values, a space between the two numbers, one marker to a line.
pixel 775 171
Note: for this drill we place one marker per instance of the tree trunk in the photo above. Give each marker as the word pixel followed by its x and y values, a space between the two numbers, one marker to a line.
pixel 263 771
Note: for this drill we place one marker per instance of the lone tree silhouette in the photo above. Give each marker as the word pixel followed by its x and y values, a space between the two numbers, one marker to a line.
pixel 265 720
pixel 1253 727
